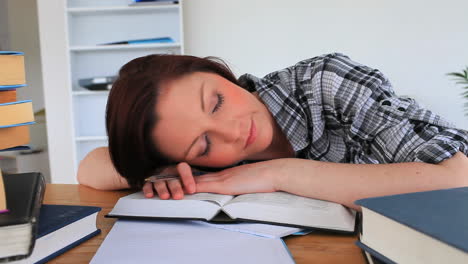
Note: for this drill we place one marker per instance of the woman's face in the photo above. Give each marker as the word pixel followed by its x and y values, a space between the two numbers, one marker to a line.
pixel 206 120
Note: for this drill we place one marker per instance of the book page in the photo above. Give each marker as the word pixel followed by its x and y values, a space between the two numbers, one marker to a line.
pixel 281 199
pixel 220 199
pixel 196 206
pixel 186 242
pixel 290 209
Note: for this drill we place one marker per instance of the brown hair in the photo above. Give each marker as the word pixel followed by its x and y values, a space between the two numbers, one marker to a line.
pixel 130 113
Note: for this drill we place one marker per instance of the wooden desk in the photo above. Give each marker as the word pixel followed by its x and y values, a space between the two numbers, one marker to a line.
pixel 312 248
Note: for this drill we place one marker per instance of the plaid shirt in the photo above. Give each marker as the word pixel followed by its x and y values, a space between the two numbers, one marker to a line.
pixel 334 109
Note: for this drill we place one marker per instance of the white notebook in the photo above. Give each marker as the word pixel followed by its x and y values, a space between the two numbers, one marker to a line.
pixel 257 229
pixel 183 242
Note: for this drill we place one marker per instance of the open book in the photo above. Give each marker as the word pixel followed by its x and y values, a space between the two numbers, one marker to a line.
pixel 274 208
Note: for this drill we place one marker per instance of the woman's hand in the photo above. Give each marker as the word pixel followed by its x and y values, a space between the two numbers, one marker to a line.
pixel 249 178
pixel 174 188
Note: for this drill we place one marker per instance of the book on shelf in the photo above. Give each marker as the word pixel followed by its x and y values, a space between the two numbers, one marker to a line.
pixel 142 41
pixel 61 228
pixel 101 83
pixel 24 193
pixel 274 208
pixel 3 200
pixel 153 2
pixel 422 227
pixel 12 72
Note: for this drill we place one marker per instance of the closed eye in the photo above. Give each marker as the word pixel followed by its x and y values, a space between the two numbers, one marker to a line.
pixel 219 103
pixel 208 146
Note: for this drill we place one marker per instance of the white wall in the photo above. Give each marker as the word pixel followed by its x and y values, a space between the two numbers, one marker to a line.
pixel 414 43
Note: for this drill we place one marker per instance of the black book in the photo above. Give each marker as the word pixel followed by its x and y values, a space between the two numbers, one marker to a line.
pixel 18 227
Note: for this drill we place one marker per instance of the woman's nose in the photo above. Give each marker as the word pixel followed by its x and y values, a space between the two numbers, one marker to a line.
pixel 228 130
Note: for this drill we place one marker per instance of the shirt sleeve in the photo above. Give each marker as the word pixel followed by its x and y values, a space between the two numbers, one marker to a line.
pixel 378 124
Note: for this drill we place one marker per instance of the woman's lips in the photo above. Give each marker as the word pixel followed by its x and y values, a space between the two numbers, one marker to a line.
pixel 252 134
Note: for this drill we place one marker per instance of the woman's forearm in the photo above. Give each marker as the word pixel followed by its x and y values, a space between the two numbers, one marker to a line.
pixel 346 183
pixel 97 171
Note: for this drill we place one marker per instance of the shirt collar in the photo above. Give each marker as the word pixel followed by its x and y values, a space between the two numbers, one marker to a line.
pixel 274 95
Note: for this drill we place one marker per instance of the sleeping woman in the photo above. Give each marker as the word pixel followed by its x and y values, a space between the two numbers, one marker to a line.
pixel 327 127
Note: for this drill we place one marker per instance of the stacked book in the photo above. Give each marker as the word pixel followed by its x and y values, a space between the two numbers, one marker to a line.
pixel 423 227
pixel 36 232
pixel 20 194
pixel 15 116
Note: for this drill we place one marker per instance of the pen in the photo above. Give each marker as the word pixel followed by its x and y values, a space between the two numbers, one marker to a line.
pixel 170 176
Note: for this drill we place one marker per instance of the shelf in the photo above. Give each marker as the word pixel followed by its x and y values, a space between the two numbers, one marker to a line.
pixel 125 47
pixel 95 138
pixel 87 92
pixel 113 9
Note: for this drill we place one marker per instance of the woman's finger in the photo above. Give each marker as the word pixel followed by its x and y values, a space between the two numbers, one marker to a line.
pixel 148 189
pixel 161 188
pixel 175 187
pixel 186 176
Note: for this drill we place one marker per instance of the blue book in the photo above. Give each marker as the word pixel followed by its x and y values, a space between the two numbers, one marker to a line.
pixel 142 41
pixel 422 227
pixel 61 228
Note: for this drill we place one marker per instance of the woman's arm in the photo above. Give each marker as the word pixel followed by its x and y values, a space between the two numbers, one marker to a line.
pixel 346 183
pixel 97 171
pixel 337 182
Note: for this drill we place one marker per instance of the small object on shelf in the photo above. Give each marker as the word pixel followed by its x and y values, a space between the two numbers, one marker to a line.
pixel 97 83
pixel 152 2
pixel 142 41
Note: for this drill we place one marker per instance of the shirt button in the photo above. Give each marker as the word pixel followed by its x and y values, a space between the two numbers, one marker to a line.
pixel 386 102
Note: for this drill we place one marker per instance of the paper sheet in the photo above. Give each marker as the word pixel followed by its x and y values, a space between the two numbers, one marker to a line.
pixel 258 229
pixel 186 242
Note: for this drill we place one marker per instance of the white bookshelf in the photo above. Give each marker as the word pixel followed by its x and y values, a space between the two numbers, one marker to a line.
pixel 71 38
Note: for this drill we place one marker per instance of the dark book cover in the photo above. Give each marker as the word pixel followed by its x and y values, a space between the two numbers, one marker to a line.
pixel 55 217
pixel 24 193
pixel 376 257
pixel 440 214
